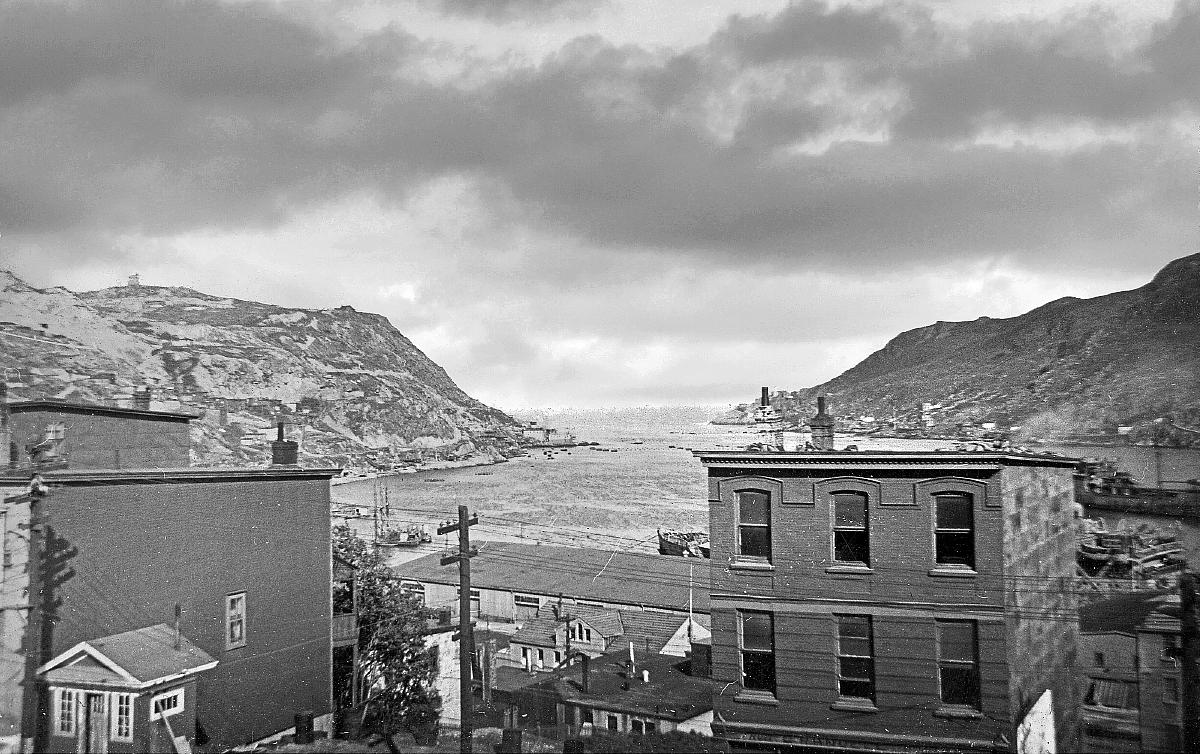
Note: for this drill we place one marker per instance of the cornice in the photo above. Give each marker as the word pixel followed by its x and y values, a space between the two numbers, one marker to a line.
pixel 84 477
pixel 944 460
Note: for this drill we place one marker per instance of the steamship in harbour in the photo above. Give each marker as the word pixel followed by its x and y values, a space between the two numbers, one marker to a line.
pixel 1100 485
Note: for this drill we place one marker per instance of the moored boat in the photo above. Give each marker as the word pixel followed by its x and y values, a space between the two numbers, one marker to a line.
pixel 1100 485
pixel 692 544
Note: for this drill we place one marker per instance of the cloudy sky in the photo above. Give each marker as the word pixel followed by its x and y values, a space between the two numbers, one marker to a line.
pixel 606 202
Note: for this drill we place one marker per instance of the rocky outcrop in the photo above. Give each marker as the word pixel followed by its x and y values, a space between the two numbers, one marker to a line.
pixel 357 392
pixel 1073 366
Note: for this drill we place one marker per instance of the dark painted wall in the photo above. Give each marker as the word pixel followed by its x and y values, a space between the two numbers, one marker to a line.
pixel 108 442
pixel 143 547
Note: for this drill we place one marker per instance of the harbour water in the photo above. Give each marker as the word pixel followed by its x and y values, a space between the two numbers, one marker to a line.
pixel 641 477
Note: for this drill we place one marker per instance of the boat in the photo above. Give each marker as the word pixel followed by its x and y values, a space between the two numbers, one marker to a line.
pixel 1100 485
pixel 411 536
pixel 1141 554
pixel 692 544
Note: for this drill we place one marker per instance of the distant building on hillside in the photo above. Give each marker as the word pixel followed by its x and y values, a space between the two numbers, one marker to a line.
pixel 891 601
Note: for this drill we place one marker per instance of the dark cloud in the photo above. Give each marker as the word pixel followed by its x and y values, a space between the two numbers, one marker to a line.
pixel 123 116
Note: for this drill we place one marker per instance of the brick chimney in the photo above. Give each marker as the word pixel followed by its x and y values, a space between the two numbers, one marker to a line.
pixel 822 427
pixel 284 452
pixel 141 398
pixel 587 673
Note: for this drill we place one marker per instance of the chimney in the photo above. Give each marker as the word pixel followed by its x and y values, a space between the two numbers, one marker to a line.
pixel 766 398
pixel 141 399
pixel 822 427
pixel 283 452
pixel 587 672
pixel 701 666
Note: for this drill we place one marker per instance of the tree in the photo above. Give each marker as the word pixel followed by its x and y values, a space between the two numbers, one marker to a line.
pixel 398 669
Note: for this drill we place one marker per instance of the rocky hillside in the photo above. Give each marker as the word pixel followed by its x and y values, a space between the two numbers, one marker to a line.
pixel 1071 367
pixel 358 393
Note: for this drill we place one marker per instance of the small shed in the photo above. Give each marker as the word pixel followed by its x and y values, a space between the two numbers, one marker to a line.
pixel 129 692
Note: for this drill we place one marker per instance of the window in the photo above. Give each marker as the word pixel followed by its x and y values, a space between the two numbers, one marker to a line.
pixel 557 657
pixel 165 705
pixel 122 717
pixel 64 712
pixel 1170 693
pixel 524 600
pixel 754 524
pixel 235 620
pixel 612 722
pixel 587 634
pixel 856 657
pixel 1098 659
pixel 954 537
pixel 1109 693
pixel 851 543
pixel 958 662
pixel 757 636
pixel 541 656
pixel 636 726
pixel 1170 647
pixel 651 727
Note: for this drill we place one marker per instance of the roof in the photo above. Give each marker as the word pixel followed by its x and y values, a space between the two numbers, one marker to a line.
pixel 625 578
pixel 670 693
pixel 91 409
pixel 604 620
pixel 882 458
pixel 1123 614
pixel 139 658
pixel 182 475
pixel 539 632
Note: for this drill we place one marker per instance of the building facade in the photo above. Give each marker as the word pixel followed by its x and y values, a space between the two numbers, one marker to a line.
pixel 237 560
pixel 886 601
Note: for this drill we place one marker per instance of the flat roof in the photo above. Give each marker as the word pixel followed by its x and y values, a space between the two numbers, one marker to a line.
pixel 670 693
pixel 614 577
pixel 92 409
pixel 882 458
pixel 186 475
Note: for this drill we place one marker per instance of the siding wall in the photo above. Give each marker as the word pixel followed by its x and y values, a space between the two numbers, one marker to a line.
pixel 137 549
pixel 109 442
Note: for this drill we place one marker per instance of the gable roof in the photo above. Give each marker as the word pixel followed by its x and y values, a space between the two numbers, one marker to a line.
pixel 539 632
pixel 138 659
pixel 670 693
pixel 619 578
pixel 603 620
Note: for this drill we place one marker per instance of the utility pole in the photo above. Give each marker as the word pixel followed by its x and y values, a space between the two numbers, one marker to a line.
pixel 1191 653
pixel 466 647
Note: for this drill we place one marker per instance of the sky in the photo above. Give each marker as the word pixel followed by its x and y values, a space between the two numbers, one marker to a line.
pixel 606 202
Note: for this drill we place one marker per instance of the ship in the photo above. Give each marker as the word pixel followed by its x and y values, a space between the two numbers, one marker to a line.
pixel 691 544
pixel 409 537
pixel 1100 485
pixel 1140 555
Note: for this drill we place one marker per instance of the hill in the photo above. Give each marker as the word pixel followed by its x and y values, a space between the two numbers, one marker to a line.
pixel 1071 367
pixel 360 394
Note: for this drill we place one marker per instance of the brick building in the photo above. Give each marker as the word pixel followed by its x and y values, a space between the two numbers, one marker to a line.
pixel 890 601
pixel 237 558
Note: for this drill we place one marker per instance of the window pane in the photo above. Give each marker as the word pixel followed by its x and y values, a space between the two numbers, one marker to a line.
pixel 756 541
pixel 859 689
pixel 854 625
pixel 953 511
pixel 758 631
pixel 960 685
pixel 758 671
pixel 860 668
pixel 754 508
pixel 850 509
pixel 956 641
pixel 854 647
pixel 851 546
pixel 956 549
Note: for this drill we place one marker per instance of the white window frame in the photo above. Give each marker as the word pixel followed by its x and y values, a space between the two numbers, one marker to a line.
pixel 232 617
pixel 175 695
pixel 115 700
pixel 526 600
pixel 59 695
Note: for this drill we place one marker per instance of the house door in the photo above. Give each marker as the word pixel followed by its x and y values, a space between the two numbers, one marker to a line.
pixel 93 734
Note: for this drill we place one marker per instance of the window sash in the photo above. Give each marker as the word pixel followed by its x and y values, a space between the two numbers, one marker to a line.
pixel 856 657
pixel 64 712
pixel 756 642
pixel 851 546
pixel 122 717
pixel 958 662
pixel 166 704
pixel 235 620
pixel 755 540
